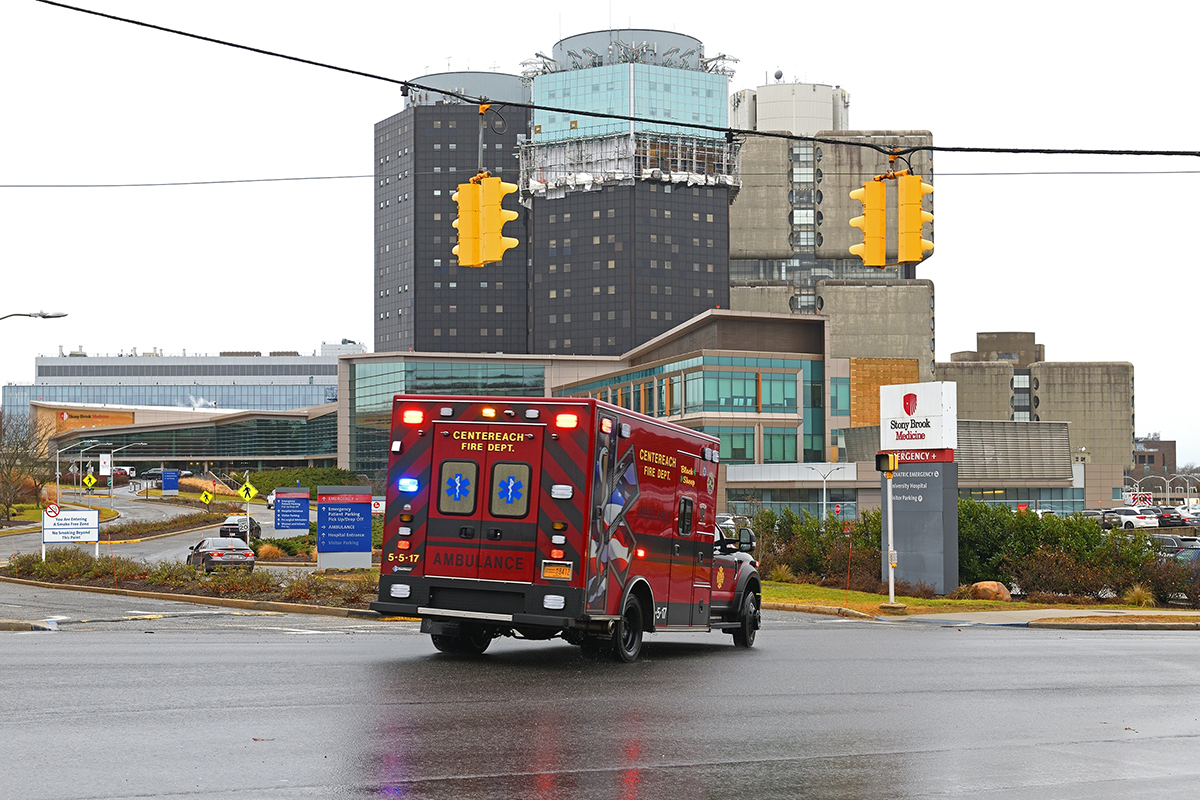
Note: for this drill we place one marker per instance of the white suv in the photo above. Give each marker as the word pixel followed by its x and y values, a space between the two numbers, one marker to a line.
pixel 1130 518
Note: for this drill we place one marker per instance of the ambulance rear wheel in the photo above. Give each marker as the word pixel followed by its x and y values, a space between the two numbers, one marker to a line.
pixel 743 635
pixel 627 639
pixel 473 640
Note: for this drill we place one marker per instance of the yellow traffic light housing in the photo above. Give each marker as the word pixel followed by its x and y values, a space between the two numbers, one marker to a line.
pixel 886 462
pixel 873 224
pixel 911 218
pixel 492 216
pixel 468 249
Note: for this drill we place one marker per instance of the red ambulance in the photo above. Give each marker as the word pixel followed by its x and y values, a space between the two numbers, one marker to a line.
pixel 545 517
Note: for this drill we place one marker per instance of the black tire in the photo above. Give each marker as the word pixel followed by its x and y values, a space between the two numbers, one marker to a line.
pixel 444 644
pixel 471 641
pixel 627 638
pixel 1128 526
pixel 743 636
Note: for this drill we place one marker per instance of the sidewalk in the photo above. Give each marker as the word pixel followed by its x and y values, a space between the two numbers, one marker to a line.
pixel 1063 618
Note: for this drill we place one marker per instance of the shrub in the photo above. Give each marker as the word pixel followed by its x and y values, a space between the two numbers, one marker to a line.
pixel 174 574
pixel 1139 596
pixel 267 551
pixel 1054 572
pixel 781 573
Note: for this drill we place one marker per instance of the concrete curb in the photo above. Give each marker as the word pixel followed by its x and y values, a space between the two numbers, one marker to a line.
pixel 228 602
pixel 833 611
pixel 22 625
pixel 1115 626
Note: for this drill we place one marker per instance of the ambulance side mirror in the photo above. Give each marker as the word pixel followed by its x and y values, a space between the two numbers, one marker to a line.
pixel 746 540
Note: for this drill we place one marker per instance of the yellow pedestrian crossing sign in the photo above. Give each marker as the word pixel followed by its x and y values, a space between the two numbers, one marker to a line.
pixel 89 481
pixel 247 492
pixel 206 497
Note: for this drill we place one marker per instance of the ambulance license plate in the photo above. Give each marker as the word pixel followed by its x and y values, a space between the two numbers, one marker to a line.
pixel 562 571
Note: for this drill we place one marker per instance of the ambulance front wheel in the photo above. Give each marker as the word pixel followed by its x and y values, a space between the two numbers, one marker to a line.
pixel 743 635
pixel 627 639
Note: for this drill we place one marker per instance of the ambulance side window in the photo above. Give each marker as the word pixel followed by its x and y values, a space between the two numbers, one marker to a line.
pixel 685 516
pixel 510 489
pixel 458 487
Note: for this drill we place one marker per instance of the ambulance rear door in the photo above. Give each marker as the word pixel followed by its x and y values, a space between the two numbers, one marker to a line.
pixel 483 515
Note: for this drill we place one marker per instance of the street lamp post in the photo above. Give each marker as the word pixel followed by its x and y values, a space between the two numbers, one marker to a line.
pixel 824 494
pixel 38 314
pixel 58 473
pixel 112 478
pixel 84 450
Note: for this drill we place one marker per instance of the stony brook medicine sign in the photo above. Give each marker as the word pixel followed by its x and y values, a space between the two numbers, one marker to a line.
pixel 918 416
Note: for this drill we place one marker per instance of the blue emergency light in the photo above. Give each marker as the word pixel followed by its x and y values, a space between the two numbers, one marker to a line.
pixel 408 484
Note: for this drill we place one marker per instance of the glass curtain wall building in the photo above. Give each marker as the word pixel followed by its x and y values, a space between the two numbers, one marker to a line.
pixel 252 381
pixel 629 217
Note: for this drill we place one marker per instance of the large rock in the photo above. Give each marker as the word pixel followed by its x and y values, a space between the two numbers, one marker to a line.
pixel 990 590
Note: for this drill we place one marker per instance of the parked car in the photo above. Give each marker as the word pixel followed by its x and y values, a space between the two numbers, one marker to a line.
pixel 1167 517
pixel 1172 543
pixel 1189 557
pixel 212 554
pixel 271 500
pixel 1097 517
pixel 232 526
pixel 153 474
pixel 1128 518
pixel 1189 517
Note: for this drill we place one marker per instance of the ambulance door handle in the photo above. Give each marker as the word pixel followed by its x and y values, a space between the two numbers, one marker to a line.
pixel 676 549
pixel 466 532
pixel 494 534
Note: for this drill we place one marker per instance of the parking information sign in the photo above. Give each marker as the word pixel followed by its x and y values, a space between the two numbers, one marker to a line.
pixel 70 526
pixel 343 527
pixel 291 509
pixel 170 482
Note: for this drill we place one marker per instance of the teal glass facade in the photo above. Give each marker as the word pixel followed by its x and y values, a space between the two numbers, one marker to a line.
pixel 666 95
pixel 707 384
pixel 373 385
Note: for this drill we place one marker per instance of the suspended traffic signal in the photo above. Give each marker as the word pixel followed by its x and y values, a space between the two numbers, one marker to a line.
pixel 468 248
pixel 911 218
pixel 492 217
pixel 873 224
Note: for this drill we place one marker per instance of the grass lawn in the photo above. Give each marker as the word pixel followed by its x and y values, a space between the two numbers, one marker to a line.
pixel 257 504
pixel 33 513
pixel 807 594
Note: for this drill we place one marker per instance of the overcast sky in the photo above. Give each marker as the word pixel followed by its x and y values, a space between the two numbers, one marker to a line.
pixel 1090 262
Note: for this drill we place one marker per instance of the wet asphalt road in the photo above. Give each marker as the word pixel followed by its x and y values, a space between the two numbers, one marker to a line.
pixel 181 700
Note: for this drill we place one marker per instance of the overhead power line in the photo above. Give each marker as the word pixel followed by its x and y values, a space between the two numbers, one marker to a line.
pixel 901 151
pixel 360 177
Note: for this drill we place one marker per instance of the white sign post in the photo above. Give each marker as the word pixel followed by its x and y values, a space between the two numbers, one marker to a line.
pixel 66 527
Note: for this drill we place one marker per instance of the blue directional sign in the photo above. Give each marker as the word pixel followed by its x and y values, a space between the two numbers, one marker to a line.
pixel 343 519
pixel 291 509
pixel 170 482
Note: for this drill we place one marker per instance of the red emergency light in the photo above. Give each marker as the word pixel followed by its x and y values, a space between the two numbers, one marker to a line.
pixel 413 416
pixel 566 420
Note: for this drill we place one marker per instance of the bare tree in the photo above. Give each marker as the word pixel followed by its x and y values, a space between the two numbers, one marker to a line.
pixel 24 455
